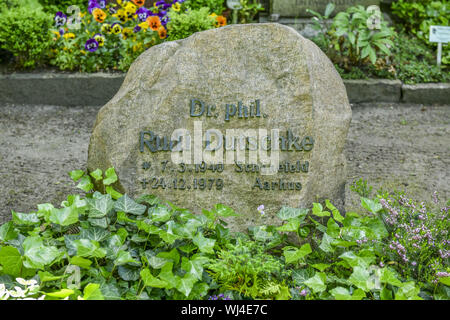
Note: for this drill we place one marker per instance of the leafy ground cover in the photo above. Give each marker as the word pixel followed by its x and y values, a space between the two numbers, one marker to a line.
pixel 362 45
pixel 109 246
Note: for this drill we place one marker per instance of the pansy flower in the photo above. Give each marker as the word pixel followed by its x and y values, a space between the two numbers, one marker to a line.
pixel 221 21
pixel 163 4
pixel 93 4
pixel 126 32
pixel 154 22
pixel 116 28
pixel 121 15
pixel 139 3
pixel 100 39
pixel 99 15
pixel 61 32
pixel 176 6
pixel 102 3
pixel 162 32
pixel 60 19
pixel 144 25
pixel 130 9
pixel 137 29
pixel 142 14
pixel 91 45
pixel 69 35
pixel 106 28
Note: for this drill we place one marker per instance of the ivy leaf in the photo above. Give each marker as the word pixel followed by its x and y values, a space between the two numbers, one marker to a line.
pixel 85 184
pixel 7 232
pixel 293 254
pixel 167 237
pixel 167 275
pixel 27 219
pixel 63 293
pixel 318 210
pixel 97 174
pixel 81 262
pixel 102 222
pixel 371 205
pixel 317 283
pixel 113 193
pixel 445 280
pixel 224 211
pixel 361 278
pixel 325 245
pixel 89 248
pixel 321 266
pixel 186 284
pixel 128 273
pixel 94 233
pixel 193 267
pixel 92 292
pixel 46 276
pixel 340 293
pixel 173 255
pixel 387 276
pixel 111 177
pixel 291 226
pixel 151 281
pixel 75 175
pixel 287 213
pixel 408 291
pixel 124 257
pixel 128 205
pixel 336 214
pixel 37 255
pixel 160 214
pixel 11 260
pixel 205 245
pixel 364 258
pixel 99 207
pixel 64 216
pixel 154 261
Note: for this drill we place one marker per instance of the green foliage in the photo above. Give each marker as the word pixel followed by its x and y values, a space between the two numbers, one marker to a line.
pixel 360 187
pixel 216 6
pixel 25 33
pixel 184 24
pixel 352 37
pixel 250 8
pixel 110 246
pixel 416 18
pixel 54 6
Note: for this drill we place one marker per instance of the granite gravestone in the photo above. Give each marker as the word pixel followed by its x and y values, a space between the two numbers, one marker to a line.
pixel 297 8
pixel 242 115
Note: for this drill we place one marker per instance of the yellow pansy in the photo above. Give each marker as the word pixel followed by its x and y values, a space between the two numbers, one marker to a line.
pixel 69 35
pixel 126 32
pixel 121 15
pixel 144 25
pixel 176 6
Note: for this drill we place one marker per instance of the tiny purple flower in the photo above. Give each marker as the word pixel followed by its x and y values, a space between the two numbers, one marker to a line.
pixel 60 19
pixel 261 209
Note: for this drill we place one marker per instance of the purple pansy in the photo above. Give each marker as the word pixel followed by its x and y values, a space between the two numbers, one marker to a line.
pixel 102 3
pixel 92 5
pixel 142 14
pixel 137 29
pixel 61 32
pixel 60 19
pixel 164 5
pixel 91 45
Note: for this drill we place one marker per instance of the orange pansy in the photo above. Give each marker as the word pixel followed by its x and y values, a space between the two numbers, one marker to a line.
pixel 154 22
pixel 221 21
pixel 162 32
pixel 99 15
pixel 139 3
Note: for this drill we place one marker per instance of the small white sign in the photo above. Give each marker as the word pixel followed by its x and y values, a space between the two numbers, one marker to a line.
pixel 439 34
pixel 234 4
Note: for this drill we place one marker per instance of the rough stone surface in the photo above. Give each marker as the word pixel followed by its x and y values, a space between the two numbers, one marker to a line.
pixel 429 93
pixel 297 8
pixel 59 88
pixel 373 90
pixel 298 89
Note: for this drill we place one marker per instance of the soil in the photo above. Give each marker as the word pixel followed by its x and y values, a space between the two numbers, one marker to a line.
pixel 392 146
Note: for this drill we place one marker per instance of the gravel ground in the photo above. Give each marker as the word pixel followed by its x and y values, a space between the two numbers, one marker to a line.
pixel 393 146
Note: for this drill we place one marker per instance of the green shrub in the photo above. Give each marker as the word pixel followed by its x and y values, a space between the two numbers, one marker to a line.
pixel 216 6
pixel 184 24
pixel 62 5
pixel 416 17
pixel 25 33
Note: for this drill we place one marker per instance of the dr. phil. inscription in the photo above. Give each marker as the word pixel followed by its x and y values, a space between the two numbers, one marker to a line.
pixel 171 173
